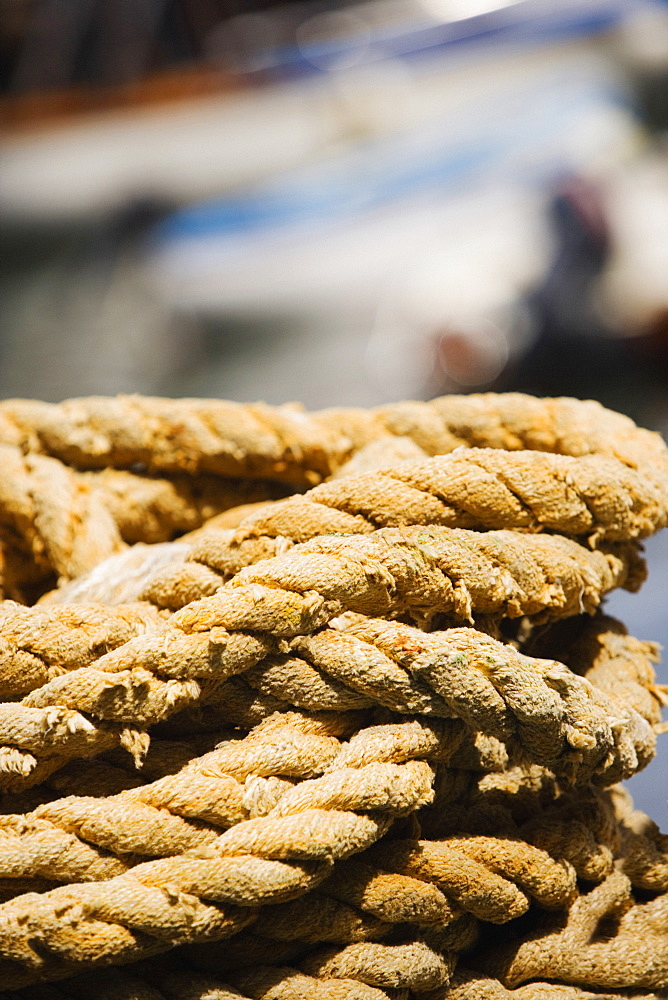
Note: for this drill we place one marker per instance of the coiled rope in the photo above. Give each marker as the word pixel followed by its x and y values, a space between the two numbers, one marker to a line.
pixel 365 724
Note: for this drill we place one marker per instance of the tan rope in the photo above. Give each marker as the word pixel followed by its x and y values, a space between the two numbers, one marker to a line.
pixel 594 496
pixel 490 685
pixel 469 985
pixel 421 571
pixel 413 966
pixel 587 827
pixel 238 780
pixel 629 950
pixel 538 708
pixel 153 509
pixel 150 982
pixel 484 876
pixel 643 848
pixel 234 439
pixel 473 872
pixel 400 788
pixel 276 983
pixel 54 520
pixel 59 521
pixel 312 821
pixel 601 648
pixel 39 644
pixel 590 496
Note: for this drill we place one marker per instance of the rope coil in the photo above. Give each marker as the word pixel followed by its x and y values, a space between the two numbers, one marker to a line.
pixel 320 746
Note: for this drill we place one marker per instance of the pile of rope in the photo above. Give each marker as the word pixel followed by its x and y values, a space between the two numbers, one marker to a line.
pixel 326 705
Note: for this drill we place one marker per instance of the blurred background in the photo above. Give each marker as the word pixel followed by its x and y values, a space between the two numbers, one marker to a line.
pixel 341 203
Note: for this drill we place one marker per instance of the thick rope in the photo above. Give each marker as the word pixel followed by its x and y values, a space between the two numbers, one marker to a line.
pixel 56 521
pixel 473 872
pixel 536 707
pixel 591 829
pixel 543 712
pixel 150 981
pixel 388 831
pixel 613 660
pixel 607 940
pixel 593 496
pixel 235 782
pixel 469 985
pixel 642 846
pixel 314 822
pixel 419 571
pixel 234 439
pixel 37 644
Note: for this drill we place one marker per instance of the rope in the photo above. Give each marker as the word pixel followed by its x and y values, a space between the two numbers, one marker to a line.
pixel 419 571
pixel 542 711
pixel 421 714
pixel 591 829
pixel 38 644
pixel 538 708
pixel 286 443
pixel 607 940
pixel 237 781
pixel 615 661
pixel 486 876
pixel 469 985
pixel 590 496
pixel 593 496
pixel 55 520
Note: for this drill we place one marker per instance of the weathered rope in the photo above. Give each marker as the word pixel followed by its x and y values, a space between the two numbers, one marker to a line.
pixel 38 644
pixel 220 788
pixel 642 846
pixel 150 982
pixel 469 985
pixel 55 521
pixel 592 829
pixel 612 659
pixel 473 872
pixel 419 571
pixel 234 439
pixel 608 940
pixel 235 782
pixel 395 774
pixel 542 711
pixel 314 822
pixel 536 707
pixel 593 496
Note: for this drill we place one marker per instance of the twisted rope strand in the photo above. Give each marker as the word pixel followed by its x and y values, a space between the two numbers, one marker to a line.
pixel 38 644
pixel 539 709
pixel 317 829
pixel 469 985
pixel 632 952
pixel 54 520
pixel 535 706
pixel 310 821
pixel 220 788
pixel 612 659
pixel 594 496
pixel 421 571
pixel 233 439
